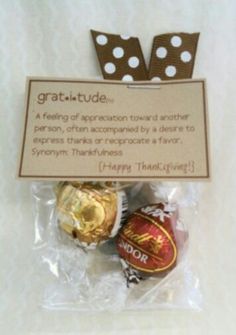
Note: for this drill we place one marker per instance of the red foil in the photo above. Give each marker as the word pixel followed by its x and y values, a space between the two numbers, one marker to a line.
pixel 147 241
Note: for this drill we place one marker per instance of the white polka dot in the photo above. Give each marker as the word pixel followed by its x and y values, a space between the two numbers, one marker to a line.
pixel 161 52
pixel 176 41
pixel 110 68
pixel 101 39
pixel 170 71
pixel 133 62
pixel 118 52
pixel 186 56
pixel 127 77
pixel 125 37
pixel 156 79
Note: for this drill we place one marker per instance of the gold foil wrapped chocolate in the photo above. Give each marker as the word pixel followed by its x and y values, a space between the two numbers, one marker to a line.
pixel 90 213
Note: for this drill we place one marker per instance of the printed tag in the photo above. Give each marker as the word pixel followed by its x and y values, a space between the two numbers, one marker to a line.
pixel 111 130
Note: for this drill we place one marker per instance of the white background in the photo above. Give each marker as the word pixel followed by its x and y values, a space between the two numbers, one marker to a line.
pixel 52 38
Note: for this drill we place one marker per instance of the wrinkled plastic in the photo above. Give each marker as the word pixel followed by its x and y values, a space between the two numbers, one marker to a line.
pixel 93 280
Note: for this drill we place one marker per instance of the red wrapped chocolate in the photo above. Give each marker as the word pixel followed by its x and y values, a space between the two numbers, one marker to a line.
pixel 147 242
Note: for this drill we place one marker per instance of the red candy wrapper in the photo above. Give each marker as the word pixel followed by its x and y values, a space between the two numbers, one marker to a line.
pixel 147 242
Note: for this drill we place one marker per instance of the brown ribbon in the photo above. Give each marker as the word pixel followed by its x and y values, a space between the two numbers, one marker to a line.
pixel 173 56
pixel 121 57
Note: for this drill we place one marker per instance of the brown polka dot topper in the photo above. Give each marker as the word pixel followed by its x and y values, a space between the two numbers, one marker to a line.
pixel 120 57
pixel 173 56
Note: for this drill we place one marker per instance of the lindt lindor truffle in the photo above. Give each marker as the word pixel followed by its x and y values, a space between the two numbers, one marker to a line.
pixel 90 213
pixel 146 242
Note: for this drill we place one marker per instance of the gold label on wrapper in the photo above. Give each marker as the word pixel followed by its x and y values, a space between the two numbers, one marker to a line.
pixel 110 130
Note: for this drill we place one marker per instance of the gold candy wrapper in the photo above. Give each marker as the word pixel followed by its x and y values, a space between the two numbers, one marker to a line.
pixel 90 213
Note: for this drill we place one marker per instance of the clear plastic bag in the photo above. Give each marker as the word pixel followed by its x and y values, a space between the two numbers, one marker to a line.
pixel 93 280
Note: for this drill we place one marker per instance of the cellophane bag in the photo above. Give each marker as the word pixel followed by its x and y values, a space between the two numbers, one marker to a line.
pixel 93 279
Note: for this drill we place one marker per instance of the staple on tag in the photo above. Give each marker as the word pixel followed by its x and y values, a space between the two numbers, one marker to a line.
pixel 146 87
